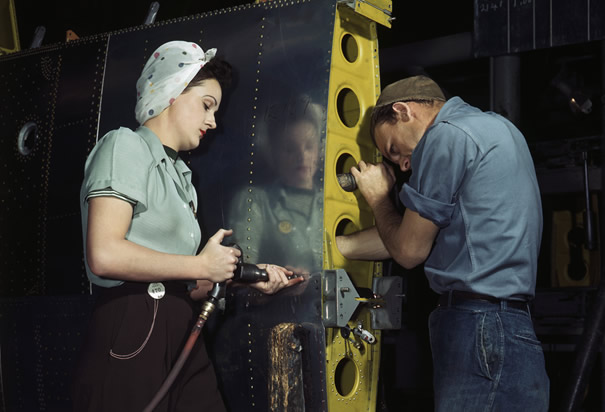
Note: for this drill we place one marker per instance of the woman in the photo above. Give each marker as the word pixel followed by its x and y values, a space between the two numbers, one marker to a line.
pixel 141 241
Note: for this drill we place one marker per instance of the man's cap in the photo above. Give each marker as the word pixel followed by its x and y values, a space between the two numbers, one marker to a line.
pixel 410 88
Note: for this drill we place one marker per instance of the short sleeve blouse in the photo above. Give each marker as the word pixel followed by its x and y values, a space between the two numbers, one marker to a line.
pixel 134 165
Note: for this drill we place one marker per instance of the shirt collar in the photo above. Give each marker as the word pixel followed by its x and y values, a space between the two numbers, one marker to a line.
pixel 159 152
pixel 172 154
pixel 446 110
pixel 154 143
pixel 450 106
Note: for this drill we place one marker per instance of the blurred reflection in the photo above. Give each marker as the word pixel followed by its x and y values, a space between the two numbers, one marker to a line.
pixel 280 221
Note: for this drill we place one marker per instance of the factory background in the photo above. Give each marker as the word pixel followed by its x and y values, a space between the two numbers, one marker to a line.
pixel 538 62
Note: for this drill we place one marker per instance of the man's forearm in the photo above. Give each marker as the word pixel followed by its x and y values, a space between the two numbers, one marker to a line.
pixel 408 238
pixel 362 245
pixel 388 222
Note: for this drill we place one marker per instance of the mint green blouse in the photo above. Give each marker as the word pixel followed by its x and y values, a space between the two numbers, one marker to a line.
pixel 133 166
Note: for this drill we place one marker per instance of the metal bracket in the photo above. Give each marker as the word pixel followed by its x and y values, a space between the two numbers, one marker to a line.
pixel 388 315
pixel 339 298
pixel 375 10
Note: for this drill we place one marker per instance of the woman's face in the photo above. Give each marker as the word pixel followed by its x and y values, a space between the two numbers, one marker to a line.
pixel 297 154
pixel 192 113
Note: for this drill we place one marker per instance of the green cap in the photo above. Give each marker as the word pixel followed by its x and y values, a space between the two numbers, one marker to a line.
pixel 410 88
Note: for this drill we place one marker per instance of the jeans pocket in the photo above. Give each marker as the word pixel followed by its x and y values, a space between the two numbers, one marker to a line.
pixel 529 338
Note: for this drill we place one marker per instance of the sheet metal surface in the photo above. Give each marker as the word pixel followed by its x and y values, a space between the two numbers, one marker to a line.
pixel 77 92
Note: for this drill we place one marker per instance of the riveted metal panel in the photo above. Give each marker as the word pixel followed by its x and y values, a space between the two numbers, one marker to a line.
pixel 58 90
pixel 283 54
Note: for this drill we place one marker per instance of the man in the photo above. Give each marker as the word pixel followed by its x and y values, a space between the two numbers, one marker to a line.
pixel 474 217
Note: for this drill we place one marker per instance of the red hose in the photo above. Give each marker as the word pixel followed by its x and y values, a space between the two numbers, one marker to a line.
pixel 178 365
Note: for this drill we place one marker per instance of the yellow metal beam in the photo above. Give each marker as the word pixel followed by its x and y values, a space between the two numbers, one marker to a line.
pixel 351 369
pixel 379 11
pixel 9 35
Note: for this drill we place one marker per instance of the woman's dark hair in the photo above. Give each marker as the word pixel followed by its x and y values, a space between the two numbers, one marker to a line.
pixel 217 68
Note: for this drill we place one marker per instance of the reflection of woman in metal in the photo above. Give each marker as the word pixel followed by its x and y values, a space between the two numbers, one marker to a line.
pixel 141 243
pixel 282 220
pixel 295 150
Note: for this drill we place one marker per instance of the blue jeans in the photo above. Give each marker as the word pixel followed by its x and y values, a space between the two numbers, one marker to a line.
pixel 486 357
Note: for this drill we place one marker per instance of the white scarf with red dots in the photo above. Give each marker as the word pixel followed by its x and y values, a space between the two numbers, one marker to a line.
pixel 166 74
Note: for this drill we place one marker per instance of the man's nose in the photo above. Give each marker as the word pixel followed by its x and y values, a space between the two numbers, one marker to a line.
pixel 405 164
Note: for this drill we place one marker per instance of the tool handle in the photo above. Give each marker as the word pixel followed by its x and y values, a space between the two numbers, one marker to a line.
pixel 346 181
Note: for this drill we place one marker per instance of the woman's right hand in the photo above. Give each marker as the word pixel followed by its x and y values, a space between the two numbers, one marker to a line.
pixel 218 262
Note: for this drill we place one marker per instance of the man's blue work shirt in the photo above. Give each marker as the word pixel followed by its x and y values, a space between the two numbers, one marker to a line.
pixel 473 176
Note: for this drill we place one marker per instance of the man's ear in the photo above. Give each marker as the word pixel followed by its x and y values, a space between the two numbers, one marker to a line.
pixel 403 110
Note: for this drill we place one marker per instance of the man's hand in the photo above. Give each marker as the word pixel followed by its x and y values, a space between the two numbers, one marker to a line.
pixel 374 181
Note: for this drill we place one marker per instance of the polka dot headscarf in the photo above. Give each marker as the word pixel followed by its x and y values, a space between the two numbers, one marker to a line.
pixel 166 74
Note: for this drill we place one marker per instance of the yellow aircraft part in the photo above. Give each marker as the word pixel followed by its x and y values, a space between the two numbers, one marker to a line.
pixel 9 35
pixel 351 368
pixel 377 10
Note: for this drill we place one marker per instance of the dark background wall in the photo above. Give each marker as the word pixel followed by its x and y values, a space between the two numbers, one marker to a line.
pixel 415 20
pixel 446 41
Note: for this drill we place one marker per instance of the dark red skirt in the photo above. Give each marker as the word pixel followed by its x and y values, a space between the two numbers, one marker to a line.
pixel 132 343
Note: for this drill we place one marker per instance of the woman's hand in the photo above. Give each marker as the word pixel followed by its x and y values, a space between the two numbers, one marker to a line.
pixel 201 289
pixel 278 279
pixel 218 262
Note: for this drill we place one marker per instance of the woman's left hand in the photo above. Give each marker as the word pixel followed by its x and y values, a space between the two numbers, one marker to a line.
pixel 278 279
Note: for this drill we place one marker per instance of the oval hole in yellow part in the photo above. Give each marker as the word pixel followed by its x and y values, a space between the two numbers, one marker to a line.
pixel 350 49
pixel 344 163
pixel 345 376
pixel 346 227
pixel 347 106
